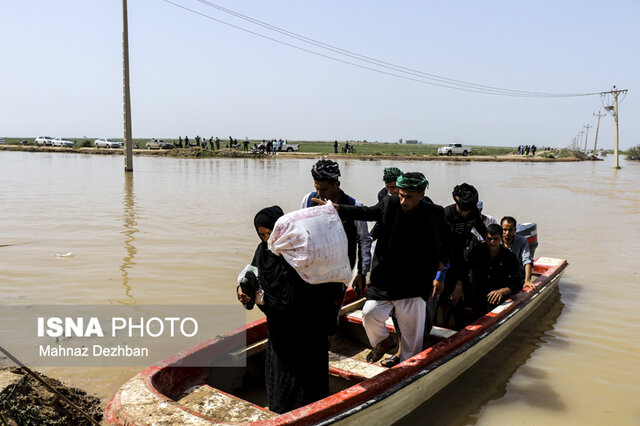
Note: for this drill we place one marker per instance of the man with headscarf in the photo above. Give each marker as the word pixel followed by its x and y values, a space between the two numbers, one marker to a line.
pixel 389 176
pixel 408 264
pixel 297 360
pixel 326 174
pixel 462 216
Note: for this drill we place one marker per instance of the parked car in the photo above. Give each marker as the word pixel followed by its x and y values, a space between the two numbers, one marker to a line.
pixel 454 148
pixel 288 147
pixel 44 141
pixel 107 143
pixel 63 143
pixel 159 144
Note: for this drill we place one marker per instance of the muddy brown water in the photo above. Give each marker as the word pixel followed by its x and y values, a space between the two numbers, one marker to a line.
pixel 178 231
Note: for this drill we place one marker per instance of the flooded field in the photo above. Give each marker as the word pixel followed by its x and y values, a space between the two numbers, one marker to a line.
pixel 178 231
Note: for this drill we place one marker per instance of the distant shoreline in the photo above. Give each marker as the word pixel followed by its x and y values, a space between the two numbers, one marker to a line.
pixel 231 153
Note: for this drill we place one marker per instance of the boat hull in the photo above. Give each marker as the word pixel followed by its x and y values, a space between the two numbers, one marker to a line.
pixel 150 397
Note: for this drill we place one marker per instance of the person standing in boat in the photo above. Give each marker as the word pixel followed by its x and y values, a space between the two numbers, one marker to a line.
pixel 518 246
pixel 408 264
pixel 326 174
pixel 462 216
pixel 297 360
pixel 494 272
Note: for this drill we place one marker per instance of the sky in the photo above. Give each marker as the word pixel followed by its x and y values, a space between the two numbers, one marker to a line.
pixel 61 70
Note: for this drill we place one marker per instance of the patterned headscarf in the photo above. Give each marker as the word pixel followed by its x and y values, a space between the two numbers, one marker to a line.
pixel 391 174
pixel 325 170
pixel 414 181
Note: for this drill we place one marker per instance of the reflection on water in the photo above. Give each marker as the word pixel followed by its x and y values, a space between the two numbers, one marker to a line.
pixel 461 400
pixel 130 229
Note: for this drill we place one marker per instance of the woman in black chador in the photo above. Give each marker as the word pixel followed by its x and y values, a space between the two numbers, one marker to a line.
pixel 297 364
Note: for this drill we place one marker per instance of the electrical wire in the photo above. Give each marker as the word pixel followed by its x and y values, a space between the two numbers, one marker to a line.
pixel 412 75
pixel 364 58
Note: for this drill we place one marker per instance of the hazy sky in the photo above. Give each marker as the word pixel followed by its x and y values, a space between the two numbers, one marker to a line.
pixel 61 61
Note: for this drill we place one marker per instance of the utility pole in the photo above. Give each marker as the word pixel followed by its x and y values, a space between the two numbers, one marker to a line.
pixel 614 110
pixel 580 133
pixel 595 143
pixel 586 136
pixel 128 141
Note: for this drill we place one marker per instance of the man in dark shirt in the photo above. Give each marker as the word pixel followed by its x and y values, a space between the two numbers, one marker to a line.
pixel 462 216
pixel 407 265
pixel 494 272
pixel 389 177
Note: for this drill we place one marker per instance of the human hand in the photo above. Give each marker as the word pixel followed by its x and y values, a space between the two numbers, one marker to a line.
pixel 242 297
pixel 358 284
pixel 529 284
pixel 438 286
pixel 458 294
pixel 321 202
pixel 497 296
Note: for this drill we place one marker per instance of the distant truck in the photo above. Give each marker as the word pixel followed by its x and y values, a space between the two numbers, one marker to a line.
pixel 454 149
pixel 287 147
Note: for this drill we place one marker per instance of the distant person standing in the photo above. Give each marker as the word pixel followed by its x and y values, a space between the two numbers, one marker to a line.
pixel 211 143
pixel 534 149
pixel 179 141
pixel 335 147
pixel 217 143
pixel 186 142
pixel 245 146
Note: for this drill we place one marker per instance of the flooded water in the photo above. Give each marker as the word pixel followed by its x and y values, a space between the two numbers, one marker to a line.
pixel 179 231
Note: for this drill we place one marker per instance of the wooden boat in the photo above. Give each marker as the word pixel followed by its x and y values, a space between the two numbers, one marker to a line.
pixel 360 392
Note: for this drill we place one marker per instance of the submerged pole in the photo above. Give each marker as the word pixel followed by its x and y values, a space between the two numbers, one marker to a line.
pixel 595 143
pixel 615 120
pixel 128 141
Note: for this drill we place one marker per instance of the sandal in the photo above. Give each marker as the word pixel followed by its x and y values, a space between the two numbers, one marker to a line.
pixel 374 356
pixel 381 348
pixel 391 361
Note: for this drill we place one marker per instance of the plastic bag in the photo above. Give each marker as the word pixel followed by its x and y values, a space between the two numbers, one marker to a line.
pixel 314 243
pixel 259 295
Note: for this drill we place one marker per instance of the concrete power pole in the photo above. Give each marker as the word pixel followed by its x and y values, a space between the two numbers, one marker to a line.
pixel 614 110
pixel 586 136
pixel 128 141
pixel 595 143
pixel 579 145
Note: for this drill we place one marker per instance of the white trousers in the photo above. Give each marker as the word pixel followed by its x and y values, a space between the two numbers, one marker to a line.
pixel 410 313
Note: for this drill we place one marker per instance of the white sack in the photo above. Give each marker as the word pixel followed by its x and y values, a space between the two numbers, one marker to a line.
pixel 314 243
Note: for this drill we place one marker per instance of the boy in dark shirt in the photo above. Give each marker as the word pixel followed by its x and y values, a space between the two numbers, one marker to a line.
pixel 494 272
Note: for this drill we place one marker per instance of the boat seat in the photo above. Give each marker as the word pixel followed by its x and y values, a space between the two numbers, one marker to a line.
pixel 436 332
pixel 351 368
pixel 211 402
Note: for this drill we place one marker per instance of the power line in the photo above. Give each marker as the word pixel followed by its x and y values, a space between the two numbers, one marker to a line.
pixel 411 74
pixel 369 59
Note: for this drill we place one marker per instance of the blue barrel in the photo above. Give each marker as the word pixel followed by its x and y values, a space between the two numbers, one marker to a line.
pixel 530 232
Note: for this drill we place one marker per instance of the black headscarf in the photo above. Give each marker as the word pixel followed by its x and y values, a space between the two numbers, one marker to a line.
pixel 267 217
pixel 274 273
